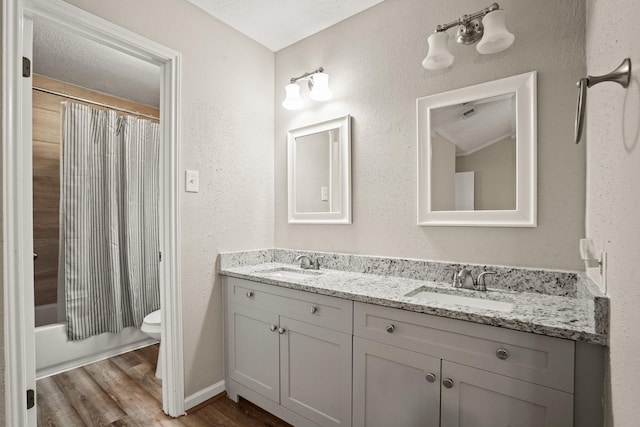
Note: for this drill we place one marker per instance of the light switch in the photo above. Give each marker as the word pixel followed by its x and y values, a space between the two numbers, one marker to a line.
pixel 192 183
pixel 324 193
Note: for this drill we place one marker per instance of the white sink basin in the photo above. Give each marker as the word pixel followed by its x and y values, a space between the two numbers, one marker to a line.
pixel 290 273
pixel 487 304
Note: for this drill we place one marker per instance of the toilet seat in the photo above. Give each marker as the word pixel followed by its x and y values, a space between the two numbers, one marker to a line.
pixel 153 318
pixel 151 325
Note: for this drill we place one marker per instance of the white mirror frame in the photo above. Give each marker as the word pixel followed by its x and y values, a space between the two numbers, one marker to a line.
pixel 524 215
pixel 343 216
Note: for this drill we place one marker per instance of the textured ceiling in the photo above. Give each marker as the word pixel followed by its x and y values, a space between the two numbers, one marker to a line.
pixel 487 121
pixel 279 23
pixel 62 55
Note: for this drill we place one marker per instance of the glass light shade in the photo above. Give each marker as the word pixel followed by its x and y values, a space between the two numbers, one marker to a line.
pixel 496 36
pixel 439 56
pixel 320 90
pixel 293 100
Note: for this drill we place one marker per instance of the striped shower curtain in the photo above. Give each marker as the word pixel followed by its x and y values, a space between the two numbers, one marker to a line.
pixel 109 220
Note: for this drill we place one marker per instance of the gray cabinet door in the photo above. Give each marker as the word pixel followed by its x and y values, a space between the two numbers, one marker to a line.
pixel 479 398
pixel 390 386
pixel 253 349
pixel 315 367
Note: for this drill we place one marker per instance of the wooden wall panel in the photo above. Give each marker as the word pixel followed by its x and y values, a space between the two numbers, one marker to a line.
pixel 46 159
pixel 80 92
pixel 46 125
pixel 45 101
pixel 46 175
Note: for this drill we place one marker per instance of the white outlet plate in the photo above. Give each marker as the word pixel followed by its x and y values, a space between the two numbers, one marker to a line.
pixel 192 181
pixel 324 191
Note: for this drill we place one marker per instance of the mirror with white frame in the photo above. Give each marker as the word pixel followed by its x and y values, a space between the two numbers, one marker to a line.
pixel 319 172
pixel 477 155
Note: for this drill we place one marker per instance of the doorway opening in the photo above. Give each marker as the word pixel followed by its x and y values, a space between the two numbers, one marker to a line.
pixel 25 178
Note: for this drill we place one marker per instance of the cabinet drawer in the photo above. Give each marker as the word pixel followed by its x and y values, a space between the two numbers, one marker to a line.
pixel 534 358
pixel 329 312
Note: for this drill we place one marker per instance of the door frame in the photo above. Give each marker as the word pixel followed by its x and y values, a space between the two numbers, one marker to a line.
pixel 19 334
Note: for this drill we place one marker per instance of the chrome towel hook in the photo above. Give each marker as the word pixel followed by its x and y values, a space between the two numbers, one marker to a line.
pixel 621 75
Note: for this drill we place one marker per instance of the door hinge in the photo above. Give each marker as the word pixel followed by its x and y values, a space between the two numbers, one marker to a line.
pixel 26 67
pixel 31 399
pixel 160 256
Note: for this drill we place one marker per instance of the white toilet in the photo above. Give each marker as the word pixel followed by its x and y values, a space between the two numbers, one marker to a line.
pixel 151 327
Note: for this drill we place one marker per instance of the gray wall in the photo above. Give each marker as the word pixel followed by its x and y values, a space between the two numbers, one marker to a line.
pixel 2 365
pixel 374 62
pixel 495 175
pixel 312 164
pixel 443 174
pixel 227 134
pixel 613 199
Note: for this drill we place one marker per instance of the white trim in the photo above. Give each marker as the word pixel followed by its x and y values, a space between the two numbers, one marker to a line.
pixel 17 256
pixel 525 213
pixel 64 367
pixel 343 215
pixel 14 248
pixel 203 395
pixel 171 290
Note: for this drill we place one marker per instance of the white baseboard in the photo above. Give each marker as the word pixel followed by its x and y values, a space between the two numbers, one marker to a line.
pixel 205 394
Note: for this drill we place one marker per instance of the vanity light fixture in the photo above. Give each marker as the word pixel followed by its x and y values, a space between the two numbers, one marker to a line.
pixel 488 26
pixel 318 82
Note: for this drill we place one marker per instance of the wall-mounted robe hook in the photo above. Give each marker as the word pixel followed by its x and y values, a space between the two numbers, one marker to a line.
pixel 621 75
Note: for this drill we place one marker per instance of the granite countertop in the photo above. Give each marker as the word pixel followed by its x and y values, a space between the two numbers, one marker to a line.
pixel 580 317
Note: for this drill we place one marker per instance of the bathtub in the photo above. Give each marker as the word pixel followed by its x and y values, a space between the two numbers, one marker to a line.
pixel 54 354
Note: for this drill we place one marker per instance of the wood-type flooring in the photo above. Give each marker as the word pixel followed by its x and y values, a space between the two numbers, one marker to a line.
pixel 123 391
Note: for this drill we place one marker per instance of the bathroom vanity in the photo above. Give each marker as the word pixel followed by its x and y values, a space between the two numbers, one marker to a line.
pixel 335 347
pixel 291 347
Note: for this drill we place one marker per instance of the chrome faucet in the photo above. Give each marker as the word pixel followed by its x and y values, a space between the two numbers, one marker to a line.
pixel 481 281
pixel 309 263
pixel 464 279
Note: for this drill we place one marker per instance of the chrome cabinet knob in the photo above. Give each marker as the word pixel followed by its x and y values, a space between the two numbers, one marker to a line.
pixel 502 353
pixel 431 377
pixel 313 310
pixel 447 382
pixel 281 331
pixel 391 328
pixel 249 294
pixel 273 328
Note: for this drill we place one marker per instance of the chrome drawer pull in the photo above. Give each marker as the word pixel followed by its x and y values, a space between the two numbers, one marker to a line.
pixel 281 331
pixel 447 382
pixel 314 310
pixel 249 294
pixel 273 328
pixel 502 353
pixel 391 328
pixel 431 377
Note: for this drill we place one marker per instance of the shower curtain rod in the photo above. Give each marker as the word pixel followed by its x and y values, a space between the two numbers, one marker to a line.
pixel 88 101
